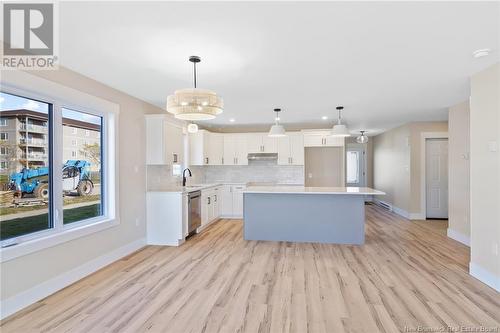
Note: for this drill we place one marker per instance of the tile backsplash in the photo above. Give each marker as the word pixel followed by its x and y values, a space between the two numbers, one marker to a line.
pixel 160 176
pixel 264 173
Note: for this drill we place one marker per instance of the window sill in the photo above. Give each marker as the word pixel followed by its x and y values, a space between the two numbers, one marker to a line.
pixel 38 244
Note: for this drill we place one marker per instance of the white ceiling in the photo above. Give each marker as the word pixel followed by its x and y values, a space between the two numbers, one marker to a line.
pixel 387 63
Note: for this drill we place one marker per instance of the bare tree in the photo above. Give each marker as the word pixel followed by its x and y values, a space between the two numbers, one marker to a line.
pixel 93 152
pixel 9 155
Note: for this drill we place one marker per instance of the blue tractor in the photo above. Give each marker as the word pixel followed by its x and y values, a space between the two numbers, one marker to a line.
pixel 76 177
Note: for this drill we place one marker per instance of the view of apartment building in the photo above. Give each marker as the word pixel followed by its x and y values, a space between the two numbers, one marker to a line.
pixel 24 140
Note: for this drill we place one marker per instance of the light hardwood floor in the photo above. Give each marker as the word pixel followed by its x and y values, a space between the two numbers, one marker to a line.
pixel 406 275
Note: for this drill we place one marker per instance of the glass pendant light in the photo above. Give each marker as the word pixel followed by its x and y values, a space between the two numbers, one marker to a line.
pixel 192 128
pixel 277 130
pixel 340 129
pixel 362 138
pixel 194 103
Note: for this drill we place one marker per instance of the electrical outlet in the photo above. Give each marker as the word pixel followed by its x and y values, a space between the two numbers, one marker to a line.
pixel 493 146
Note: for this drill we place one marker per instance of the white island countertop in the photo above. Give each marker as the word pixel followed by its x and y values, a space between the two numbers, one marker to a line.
pixel 313 190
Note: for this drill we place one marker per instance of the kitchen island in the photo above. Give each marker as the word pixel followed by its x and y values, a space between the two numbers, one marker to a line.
pixel 306 214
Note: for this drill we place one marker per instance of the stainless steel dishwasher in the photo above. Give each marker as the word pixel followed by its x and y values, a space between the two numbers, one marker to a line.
pixel 194 209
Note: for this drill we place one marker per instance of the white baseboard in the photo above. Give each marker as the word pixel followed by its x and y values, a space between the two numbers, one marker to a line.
pixel 459 237
pixel 231 217
pixel 18 302
pixel 401 212
pixel 417 216
pixel 484 276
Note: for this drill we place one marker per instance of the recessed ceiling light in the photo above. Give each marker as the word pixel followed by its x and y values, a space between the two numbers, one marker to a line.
pixel 324 117
pixel 481 53
pixel 232 120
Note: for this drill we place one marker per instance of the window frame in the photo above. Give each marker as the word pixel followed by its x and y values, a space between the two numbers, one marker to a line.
pixel 6 135
pixel 3 122
pixel 50 92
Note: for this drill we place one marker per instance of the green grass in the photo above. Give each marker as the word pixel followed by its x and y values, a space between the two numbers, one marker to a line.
pixel 67 201
pixel 30 224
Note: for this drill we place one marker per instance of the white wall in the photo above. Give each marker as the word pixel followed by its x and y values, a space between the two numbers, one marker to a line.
pixel 458 177
pixel 21 277
pixel 485 176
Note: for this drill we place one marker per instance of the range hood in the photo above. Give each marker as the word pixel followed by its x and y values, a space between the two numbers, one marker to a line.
pixel 262 156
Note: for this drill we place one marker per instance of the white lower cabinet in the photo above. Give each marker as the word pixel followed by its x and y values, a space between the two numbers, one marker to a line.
pixel 166 218
pixel 167 214
pixel 232 200
pixel 210 205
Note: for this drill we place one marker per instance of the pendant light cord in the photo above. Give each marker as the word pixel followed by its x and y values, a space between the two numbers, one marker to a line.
pixel 194 64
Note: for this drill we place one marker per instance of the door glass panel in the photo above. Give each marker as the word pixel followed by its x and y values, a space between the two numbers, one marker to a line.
pixel 352 160
pixel 82 166
pixel 24 166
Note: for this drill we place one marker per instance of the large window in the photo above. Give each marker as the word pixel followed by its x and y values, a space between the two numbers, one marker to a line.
pixel 52 167
pixel 26 171
pixel 82 185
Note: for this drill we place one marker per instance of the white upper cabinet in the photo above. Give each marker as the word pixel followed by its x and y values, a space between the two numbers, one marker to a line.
pixel 291 149
pixel 322 139
pixel 206 148
pixel 261 143
pixel 235 149
pixel 215 149
pixel 254 142
pixel 164 141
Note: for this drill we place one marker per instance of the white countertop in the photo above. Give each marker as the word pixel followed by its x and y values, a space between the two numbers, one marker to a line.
pixel 187 189
pixel 313 190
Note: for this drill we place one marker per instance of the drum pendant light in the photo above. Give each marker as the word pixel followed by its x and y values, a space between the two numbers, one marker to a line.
pixel 194 103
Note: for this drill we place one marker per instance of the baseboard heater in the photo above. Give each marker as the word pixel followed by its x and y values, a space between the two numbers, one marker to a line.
pixel 384 205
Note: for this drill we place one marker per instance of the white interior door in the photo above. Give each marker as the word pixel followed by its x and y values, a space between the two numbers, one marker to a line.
pixel 436 177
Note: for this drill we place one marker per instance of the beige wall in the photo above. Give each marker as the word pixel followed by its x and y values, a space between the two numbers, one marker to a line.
pixel 416 129
pixel 458 166
pixel 391 166
pixel 396 165
pixel 485 175
pixel 25 272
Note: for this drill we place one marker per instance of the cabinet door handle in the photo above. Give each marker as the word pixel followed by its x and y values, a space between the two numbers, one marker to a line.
pixel 208 200
pixel 175 158
pixel 206 160
pixel 215 198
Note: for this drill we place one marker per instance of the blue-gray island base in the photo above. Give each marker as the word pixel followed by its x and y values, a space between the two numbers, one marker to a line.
pixel 304 217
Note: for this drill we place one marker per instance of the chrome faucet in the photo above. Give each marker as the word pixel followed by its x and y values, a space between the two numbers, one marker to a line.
pixel 184 176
